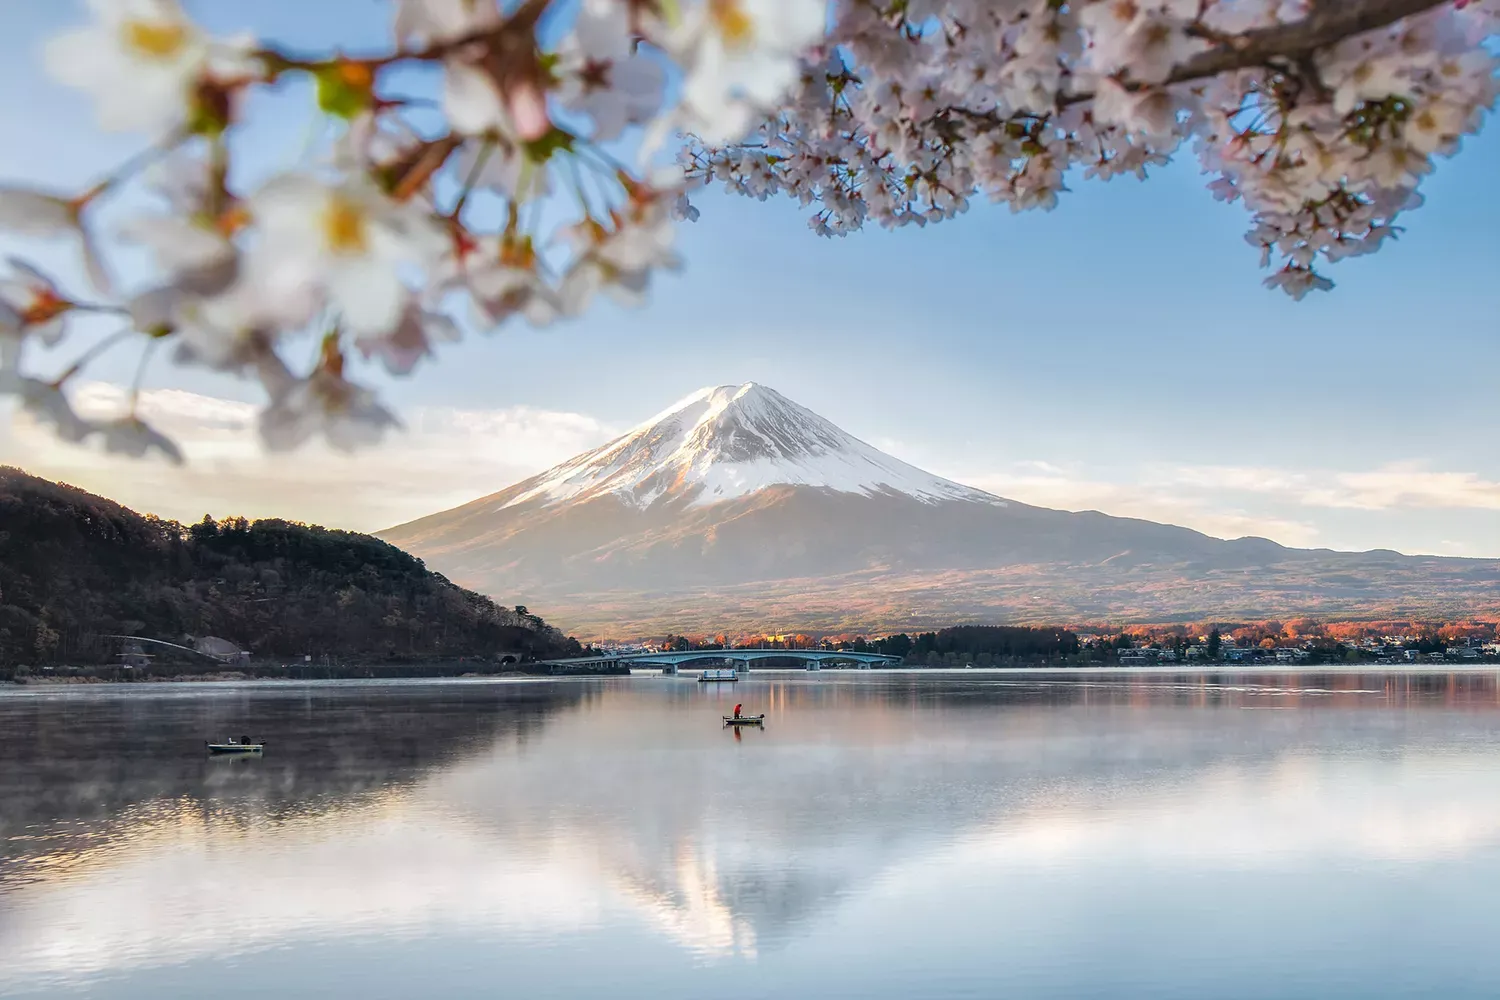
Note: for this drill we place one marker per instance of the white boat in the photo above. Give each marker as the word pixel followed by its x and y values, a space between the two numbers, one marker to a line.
pixel 728 674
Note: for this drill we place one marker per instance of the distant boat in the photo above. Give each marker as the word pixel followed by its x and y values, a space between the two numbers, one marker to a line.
pixel 718 675
pixel 744 720
pixel 236 746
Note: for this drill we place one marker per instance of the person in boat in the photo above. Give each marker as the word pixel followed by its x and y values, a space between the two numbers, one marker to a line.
pixel 737 710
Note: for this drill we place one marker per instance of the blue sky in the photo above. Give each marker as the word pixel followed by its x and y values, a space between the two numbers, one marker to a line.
pixel 1116 354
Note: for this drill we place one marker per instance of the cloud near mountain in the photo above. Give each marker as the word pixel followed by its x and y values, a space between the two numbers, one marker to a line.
pixel 445 456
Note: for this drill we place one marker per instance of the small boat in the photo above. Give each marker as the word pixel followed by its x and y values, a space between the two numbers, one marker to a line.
pixel 236 746
pixel 744 720
pixel 718 675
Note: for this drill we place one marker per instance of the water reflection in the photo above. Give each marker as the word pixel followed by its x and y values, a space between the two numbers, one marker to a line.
pixel 547 813
pixel 79 770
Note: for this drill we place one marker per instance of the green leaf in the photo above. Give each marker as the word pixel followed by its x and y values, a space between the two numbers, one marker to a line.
pixel 541 150
pixel 340 95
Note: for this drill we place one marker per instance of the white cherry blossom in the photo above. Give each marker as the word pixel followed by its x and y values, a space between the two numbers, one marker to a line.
pixel 47 404
pixel 683 209
pixel 604 72
pixel 138 59
pixel 500 275
pixel 1434 126
pixel 915 112
pixel 1371 78
pixel 32 301
pixel 192 240
pixel 133 437
pixel 346 415
pixel 12 340
pixel 410 340
pixel 619 261
pixel 741 56
pixel 504 167
pixel 29 211
pixel 423 22
pixel 347 242
pixel 473 103
pixel 501 292
pixel 1143 39
pixel 235 332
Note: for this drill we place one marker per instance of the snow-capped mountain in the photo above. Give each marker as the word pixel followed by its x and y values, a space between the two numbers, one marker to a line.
pixel 731 441
pixel 736 508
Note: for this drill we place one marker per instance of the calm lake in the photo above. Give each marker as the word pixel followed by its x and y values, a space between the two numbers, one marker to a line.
pixel 886 835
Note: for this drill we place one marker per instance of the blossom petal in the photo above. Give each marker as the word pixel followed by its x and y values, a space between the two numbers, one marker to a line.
pixel 367 293
pixel 35 213
pixel 471 100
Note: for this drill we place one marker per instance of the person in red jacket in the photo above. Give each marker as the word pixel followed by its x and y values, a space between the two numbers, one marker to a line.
pixel 737 711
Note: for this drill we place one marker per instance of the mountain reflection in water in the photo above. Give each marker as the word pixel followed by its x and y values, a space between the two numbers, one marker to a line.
pixel 912 826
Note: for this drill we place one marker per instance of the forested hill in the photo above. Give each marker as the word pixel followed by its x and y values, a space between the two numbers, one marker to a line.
pixel 76 568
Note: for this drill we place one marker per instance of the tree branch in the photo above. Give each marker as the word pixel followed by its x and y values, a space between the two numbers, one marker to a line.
pixel 523 20
pixel 1328 24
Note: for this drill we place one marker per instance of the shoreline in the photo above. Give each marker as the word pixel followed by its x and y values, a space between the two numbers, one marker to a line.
pixel 241 678
pixel 228 678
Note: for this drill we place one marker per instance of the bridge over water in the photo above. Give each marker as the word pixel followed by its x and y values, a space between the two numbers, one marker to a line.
pixel 734 657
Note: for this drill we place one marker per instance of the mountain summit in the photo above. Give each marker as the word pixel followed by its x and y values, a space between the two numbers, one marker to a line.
pixel 738 509
pixel 731 441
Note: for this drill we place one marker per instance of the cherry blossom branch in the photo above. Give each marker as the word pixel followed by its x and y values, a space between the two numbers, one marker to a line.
pixel 1328 24
pixel 521 22
pixel 903 121
pixel 1322 127
pixel 93 352
pixel 1331 22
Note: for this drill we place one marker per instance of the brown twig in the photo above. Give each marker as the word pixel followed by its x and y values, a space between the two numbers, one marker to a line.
pixel 524 19
pixel 1293 44
pixel 1328 24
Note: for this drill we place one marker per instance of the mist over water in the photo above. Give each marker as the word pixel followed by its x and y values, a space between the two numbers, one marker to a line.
pixel 904 834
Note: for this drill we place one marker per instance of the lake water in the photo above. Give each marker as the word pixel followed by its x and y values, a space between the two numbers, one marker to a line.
pixel 886 835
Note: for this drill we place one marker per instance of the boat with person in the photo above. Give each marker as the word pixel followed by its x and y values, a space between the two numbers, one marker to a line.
pixel 232 745
pixel 743 720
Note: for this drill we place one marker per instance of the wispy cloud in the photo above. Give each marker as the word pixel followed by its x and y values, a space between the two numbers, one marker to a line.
pixel 1393 485
pixel 1046 485
pixel 446 456
pixel 1292 506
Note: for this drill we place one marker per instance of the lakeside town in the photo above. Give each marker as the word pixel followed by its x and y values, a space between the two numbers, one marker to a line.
pixel 1301 642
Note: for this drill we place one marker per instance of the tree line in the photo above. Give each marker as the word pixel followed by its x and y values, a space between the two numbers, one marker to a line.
pixel 76 569
pixel 973 641
pixel 985 643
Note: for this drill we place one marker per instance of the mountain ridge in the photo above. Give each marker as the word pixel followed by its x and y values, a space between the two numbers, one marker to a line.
pixel 704 516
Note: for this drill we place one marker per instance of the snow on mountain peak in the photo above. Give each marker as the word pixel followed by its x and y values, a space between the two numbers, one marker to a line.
pixel 729 441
